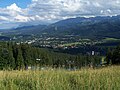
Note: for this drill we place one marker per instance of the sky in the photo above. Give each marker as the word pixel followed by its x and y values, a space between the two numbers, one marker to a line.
pixel 26 12
pixel 20 3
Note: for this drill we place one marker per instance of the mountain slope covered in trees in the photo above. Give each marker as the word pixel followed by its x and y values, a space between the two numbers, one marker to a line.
pixel 13 56
pixel 96 27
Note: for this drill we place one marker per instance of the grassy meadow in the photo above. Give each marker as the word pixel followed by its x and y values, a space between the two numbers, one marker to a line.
pixel 107 78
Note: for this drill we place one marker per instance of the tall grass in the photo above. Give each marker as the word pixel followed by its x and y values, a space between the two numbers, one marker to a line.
pixel 85 79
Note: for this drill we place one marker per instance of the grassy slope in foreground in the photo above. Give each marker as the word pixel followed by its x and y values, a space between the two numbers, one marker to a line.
pixel 85 79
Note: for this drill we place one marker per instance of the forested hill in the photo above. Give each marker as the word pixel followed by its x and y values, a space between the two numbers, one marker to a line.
pixel 96 27
pixel 35 29
pixel 13 56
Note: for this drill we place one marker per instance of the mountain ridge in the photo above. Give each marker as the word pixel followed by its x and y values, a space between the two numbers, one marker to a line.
pixel 87 27
pixel 94 27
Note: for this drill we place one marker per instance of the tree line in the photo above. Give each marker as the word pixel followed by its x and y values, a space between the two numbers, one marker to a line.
pixel 20 56
pixel 113 56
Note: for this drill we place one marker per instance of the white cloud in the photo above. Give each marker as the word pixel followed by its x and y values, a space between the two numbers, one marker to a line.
pixel 2 18
pixel 20 18
pixel 70 8
pixel 13 13
pixel 14 7
pixel 54 10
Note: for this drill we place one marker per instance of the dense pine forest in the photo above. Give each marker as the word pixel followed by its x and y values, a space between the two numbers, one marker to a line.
pixel 21 56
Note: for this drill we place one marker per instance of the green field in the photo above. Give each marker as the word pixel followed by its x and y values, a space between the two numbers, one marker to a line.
pixel 110 39
pixel 85 79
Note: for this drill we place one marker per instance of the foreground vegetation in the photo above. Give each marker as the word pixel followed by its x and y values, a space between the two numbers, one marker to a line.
pixel 84 79
pixel 15 56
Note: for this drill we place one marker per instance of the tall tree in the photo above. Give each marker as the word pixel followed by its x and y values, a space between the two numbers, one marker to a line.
pixel 20 61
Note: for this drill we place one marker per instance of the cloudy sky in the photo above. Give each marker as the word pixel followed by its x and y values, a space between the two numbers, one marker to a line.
pixel 16 12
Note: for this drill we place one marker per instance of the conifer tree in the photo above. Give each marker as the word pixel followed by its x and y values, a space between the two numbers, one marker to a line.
pixel 20 61
pixel 11 59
